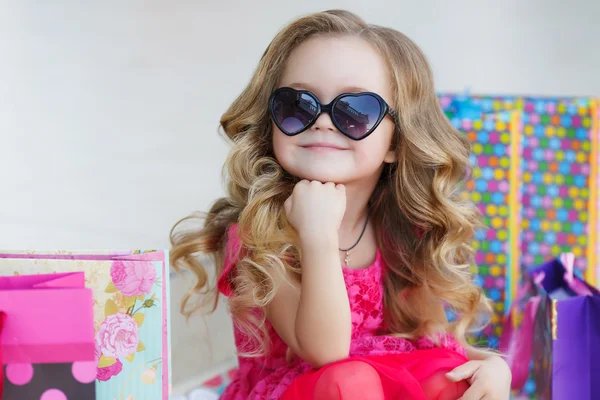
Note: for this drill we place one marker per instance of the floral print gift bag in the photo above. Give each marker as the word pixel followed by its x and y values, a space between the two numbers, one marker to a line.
pixel 131 320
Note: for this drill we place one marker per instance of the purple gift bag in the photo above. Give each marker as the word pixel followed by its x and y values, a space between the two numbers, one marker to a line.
pixel 560 330
pixel 566 334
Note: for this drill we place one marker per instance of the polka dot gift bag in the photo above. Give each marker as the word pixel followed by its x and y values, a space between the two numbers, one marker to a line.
pixel 47 348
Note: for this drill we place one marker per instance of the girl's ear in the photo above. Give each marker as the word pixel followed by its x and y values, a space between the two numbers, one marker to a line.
pixel 390 157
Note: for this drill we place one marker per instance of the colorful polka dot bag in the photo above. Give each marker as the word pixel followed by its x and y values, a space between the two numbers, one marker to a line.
pixel 47 347
pixel 559 170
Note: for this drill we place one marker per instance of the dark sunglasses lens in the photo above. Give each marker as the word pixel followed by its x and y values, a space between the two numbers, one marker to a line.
pixel 293 110
pixel 357 115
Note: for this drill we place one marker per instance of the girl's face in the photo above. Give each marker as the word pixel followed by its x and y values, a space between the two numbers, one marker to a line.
pixel 329 66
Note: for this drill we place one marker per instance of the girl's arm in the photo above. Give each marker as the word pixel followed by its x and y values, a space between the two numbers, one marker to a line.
pixel 313 318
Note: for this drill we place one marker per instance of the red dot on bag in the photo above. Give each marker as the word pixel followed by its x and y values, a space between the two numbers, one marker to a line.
pixel 19 374
pixel 53 394
pixel 84 371
pixel 214 382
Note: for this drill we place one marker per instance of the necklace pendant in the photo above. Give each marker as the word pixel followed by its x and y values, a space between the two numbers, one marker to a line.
pixel 347 259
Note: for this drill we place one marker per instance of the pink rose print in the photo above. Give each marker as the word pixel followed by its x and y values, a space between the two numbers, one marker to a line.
pixel 133 278
pixel 118 336
pixel 106 373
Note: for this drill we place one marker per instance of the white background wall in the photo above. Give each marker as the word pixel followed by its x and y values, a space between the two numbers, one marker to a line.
pixel 109 109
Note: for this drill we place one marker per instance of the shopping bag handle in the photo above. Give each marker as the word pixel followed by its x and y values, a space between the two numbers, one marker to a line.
pixel 568 261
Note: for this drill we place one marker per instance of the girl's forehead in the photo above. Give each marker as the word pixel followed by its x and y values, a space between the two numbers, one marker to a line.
pixel 328 66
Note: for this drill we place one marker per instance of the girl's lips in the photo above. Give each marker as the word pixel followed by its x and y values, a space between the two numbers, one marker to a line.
pixel 321 146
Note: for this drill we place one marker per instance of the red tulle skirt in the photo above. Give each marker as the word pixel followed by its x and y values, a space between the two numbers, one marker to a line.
pixel 418 375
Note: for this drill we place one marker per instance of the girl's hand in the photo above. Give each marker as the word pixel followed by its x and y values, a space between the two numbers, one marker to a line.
pixel 315 209
pixel 489 379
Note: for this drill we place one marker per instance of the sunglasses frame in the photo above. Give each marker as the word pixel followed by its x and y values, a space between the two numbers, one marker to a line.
pixel 385 109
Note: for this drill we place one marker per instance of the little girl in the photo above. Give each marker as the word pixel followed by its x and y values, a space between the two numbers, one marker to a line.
pixel 343 232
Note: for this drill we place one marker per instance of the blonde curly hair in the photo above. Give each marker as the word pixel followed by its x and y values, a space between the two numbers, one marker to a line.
pixel 424 225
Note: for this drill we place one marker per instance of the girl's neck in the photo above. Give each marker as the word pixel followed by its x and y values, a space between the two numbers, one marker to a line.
pixel 351 229
pixel 357 200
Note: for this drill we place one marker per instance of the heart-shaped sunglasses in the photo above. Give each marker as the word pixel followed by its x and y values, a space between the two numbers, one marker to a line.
pixel 355 115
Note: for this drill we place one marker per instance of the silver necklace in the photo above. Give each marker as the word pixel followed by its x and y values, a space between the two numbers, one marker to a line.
pixel 347 251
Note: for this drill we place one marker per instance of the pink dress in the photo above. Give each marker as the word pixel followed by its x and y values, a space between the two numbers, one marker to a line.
pixel 271 376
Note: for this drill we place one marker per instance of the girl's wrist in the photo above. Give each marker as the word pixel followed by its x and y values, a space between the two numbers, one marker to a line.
pixel 318 241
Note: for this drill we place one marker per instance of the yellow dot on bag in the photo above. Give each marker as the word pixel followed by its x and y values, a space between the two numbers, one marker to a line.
pixel 498 330
pixel 499 174
pixel 558 202
pixel 495 270
pixel 585 146
pixel 583 217
pixel 518 104
pixel 526 176
pixel 497 223
pixel 557 226
pixel 582 111
pixel 573 192
pixel 525 224
pixel 476 172
pixel 581 157
pixel 502 258
pixel 582 240
pixel 503 211
pixel 475 245
pixel 500 126
pixel 559 179
pixel 545 225
pixel 502 235
pixel 477 125
pixel 562 108
pixel 505 138
pixel 495 318
pixel 584 192
pixel 548 178
pixel 559 155
pixel 476 197
pixel 477 148
pixel 586 122
pixel 528 130
pixel 579 204
pixel 550 131
pixel 577 251
pixel 491 210
pixel 504 162
pixel 497 105
pixel 556 250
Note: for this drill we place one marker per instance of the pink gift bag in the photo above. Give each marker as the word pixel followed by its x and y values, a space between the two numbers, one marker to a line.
pixel 47 338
